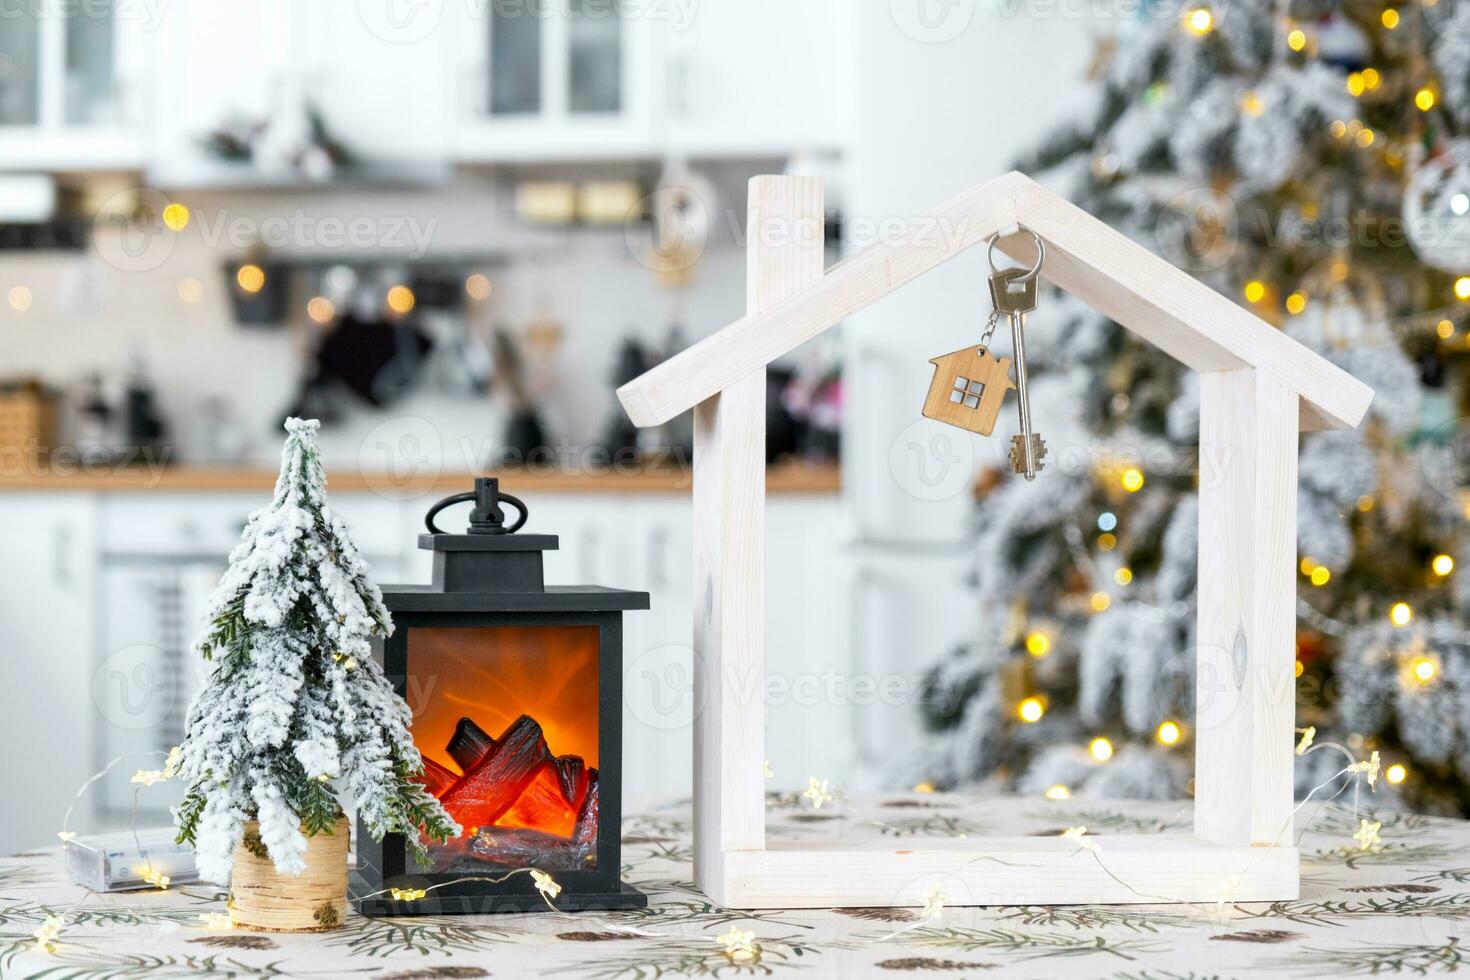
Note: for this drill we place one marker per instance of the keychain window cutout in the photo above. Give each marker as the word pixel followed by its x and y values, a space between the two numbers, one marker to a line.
pixel 967 392
pixel 968 388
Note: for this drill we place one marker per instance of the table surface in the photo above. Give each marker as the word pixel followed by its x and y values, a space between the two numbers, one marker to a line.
pixel 1398 909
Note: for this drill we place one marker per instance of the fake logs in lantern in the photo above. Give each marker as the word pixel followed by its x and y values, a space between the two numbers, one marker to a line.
pixel 516 694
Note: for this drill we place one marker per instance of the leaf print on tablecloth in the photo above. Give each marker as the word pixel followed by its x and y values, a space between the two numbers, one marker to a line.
pixel 596 937
pixel 437 973
pixel 1133 918
pixel 1355 857
pixel 1455 906
pixel 1457 875
pixel 1408 889
pixel 1028 946
pixel 1368 960
pixel 687 956
pixel 879 915
pixel 236 942
pixel 928 963
pixel 1338 819
pixel 914 805
pixel 364 936
pixel 1114 820
pixel 704 913
pixel 1258 936
pixel 932 825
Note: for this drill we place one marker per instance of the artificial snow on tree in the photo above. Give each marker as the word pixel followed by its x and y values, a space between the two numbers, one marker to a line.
pixel 1273 151
pixel 294 700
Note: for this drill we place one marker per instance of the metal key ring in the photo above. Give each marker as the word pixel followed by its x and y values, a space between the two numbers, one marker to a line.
pixel 1040 255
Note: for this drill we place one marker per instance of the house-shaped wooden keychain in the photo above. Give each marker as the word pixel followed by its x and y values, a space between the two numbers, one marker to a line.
pixel 968 388
pixel 1258 390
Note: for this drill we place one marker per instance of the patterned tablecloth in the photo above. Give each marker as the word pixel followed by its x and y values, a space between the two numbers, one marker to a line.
pixel 1397 909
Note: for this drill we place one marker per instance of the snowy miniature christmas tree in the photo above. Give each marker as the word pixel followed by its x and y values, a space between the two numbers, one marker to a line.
pixel 294 700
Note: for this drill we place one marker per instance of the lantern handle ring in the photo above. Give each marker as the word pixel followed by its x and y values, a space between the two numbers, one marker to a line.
pixel 487 517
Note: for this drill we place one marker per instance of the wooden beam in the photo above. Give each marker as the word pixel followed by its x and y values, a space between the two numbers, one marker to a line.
pixel 1128 869
pixel 1246 688
pixel 1121 278
pixel 784 231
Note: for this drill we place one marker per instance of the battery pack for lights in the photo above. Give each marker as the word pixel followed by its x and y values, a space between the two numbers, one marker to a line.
pixel 125 861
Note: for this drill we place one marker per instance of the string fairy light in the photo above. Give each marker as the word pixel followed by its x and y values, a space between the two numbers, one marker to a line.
pixel 816 791
pixel 739 945
pixel 1030 710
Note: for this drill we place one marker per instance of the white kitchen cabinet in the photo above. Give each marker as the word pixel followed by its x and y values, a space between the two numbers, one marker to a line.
pixel 807 722
pixel 658 650
pixel 909 608
pixel 48 588
pixel 214 62
pixel 159 557
pixel 73 82
pixel 759 78
pixel 554 80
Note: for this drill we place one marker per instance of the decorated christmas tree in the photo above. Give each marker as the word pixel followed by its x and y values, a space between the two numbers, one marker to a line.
pixel 294 701
pixel 1308 160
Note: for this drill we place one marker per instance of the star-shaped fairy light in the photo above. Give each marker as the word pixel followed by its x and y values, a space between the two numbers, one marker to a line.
pixel 545 884
pixel 1225 901
pixel 1309 734
pixel 739 944
pixel 1367 834
pixel 1368 768
pixel 216 920
pixel 1078 836
pixel 816 791
pixel 934 900
pixel 156 878
pixel 47 933
pixel 407 894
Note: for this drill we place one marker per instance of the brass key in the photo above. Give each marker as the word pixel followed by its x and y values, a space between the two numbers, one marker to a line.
pixel 1013 291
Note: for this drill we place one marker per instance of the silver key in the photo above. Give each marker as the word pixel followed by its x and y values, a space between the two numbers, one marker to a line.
pixel 1014 294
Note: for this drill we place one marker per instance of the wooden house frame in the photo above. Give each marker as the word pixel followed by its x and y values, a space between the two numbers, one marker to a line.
pixel 1258 389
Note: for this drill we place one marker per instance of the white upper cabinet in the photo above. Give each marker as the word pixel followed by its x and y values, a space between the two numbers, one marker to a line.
pixel 112 85
pixel 759 77
pixel 554 80
pixel 596 79
pixel 378 83
pixel 72 85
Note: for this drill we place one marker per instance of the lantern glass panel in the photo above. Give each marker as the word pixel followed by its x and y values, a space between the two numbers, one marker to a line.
pixel 507 720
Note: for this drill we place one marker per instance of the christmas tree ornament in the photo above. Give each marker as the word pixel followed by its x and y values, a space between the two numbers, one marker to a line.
pixel 516 692
pixel 294 701
pixel 1436 206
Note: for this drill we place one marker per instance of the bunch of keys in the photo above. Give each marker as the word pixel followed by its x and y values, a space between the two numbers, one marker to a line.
pixel 1013 294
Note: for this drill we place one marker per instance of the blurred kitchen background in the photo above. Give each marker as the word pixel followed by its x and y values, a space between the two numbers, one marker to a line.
pixel 449 229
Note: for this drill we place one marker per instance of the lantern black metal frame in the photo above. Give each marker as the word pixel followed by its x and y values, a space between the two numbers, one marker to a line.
pixel 478 567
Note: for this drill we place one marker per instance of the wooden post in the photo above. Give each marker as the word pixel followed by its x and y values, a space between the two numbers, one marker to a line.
pixel 783 254
pixel 1247 608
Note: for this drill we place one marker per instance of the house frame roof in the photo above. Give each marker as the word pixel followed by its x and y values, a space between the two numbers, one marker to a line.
pixel 1115 275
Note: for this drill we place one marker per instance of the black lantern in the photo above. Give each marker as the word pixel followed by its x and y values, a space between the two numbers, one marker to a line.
pixel 516 694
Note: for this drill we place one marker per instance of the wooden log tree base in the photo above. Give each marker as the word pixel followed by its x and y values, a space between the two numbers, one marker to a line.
pixel 263 900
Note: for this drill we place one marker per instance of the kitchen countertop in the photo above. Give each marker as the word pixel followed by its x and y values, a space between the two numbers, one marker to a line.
pixel 783 478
